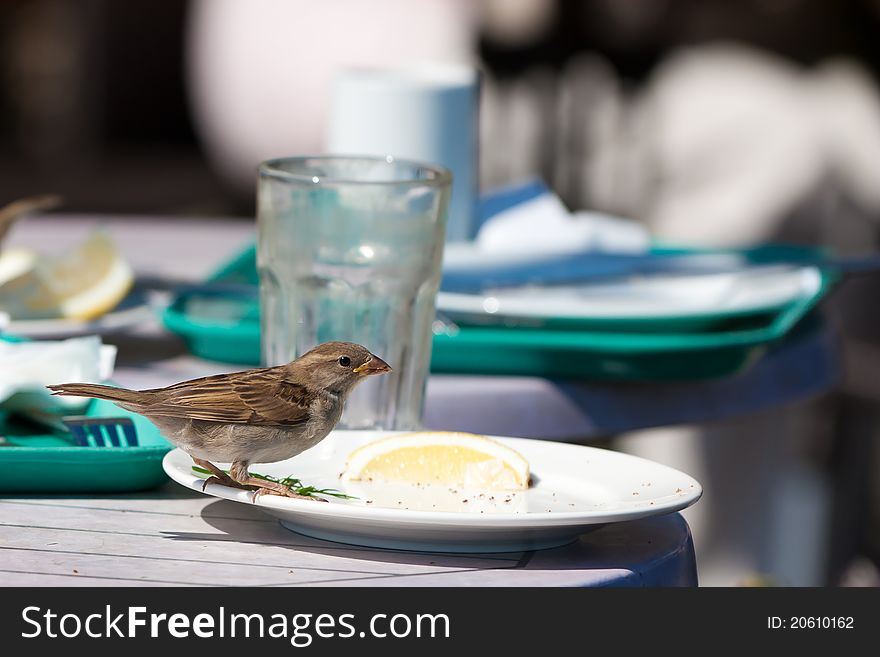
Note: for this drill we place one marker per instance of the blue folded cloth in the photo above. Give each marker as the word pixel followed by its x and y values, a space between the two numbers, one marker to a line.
pixel 526 235
pixel 504 198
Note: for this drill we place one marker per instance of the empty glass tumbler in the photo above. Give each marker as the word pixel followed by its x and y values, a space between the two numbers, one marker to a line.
pixel 350 248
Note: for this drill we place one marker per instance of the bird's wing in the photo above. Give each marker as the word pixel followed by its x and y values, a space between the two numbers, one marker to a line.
pixel 250 397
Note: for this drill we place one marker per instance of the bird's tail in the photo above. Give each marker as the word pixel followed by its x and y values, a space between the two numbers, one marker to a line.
pixel 94 390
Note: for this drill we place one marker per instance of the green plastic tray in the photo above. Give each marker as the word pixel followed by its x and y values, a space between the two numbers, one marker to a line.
pixel 609 356
pixel 51 466
pixel 613 351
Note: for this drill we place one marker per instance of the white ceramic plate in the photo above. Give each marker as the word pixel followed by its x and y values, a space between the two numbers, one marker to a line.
pixel 575 489
pixel 647 297
pixel 131 312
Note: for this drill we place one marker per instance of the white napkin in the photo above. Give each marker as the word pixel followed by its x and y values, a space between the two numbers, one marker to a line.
pixel 534 237
pixel 543 225
pixel 26 368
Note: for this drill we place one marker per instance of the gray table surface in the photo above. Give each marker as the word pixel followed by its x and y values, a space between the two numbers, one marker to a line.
pixel 174 536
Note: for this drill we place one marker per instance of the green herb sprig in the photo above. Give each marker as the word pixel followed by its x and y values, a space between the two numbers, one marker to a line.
pixel 295 485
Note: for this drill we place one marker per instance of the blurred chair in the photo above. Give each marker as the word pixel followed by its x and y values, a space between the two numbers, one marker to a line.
pixel 745 148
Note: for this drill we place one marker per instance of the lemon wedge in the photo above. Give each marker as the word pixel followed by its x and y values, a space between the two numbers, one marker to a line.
pixel 438 457
pixel 15 262
pixel 83 283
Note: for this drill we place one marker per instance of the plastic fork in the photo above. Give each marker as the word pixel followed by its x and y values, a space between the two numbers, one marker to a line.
pixel 102 431
pixel 82 431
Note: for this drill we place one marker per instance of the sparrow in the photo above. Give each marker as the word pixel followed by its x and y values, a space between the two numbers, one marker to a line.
pixel 255 416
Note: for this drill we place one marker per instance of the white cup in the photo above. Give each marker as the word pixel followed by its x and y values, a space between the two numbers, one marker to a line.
pixel 425 112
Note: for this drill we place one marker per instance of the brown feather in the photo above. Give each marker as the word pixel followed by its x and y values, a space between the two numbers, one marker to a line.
pixel 260 397
pixel 100 392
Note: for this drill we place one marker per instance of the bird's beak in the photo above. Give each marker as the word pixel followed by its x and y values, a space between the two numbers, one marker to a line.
pixel 373 366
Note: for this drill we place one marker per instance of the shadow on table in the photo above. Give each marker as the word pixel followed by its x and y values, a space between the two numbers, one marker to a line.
pixel 241 524
pixel 655 550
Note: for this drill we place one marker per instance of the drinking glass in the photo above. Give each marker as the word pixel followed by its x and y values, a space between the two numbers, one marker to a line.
pixel 350 248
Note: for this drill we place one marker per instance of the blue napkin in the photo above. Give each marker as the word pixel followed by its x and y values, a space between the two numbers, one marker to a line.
pixel 527 236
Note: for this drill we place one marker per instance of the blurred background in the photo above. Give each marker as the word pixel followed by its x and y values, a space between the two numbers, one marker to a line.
pixel 712 122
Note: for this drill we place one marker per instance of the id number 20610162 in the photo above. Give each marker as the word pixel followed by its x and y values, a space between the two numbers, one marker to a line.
pixel 810 623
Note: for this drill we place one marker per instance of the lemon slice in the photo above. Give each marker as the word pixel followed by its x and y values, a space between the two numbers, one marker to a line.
pixel 15 262
pixel 83 283
pixel 438 457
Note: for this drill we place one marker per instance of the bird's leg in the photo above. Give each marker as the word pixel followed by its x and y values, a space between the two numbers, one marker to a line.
pixel 217 475
pixel 239 472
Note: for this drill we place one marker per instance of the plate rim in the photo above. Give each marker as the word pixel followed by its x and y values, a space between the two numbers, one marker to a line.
pixel 470 304
pixel 40 328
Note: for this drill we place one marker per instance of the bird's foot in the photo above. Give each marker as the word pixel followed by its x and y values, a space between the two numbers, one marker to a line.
pixel 283 491
pixel 227 481
pixel 239 472
pixel 218 476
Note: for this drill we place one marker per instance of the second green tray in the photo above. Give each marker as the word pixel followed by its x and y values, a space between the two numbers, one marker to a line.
pixel 233 335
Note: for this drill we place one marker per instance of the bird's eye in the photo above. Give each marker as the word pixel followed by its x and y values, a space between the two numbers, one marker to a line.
pixel 345 361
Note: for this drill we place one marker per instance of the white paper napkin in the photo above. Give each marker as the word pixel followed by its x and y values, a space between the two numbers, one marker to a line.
pixel 544 225
pixel 26 368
